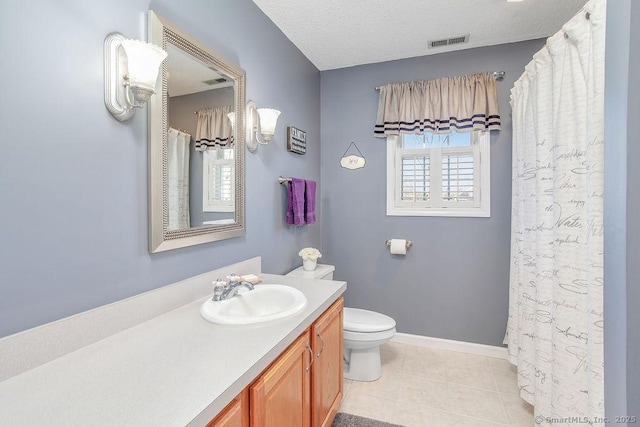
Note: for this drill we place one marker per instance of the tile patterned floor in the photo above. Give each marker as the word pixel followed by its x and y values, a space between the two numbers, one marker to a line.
pixel 423 387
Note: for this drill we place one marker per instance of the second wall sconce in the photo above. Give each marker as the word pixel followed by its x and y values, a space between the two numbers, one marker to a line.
pixel 232 119
pixel 260 121
pixel 130 74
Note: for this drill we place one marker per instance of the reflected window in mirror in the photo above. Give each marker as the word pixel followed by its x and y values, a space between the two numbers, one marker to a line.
pixel 214 164
pixel 218 182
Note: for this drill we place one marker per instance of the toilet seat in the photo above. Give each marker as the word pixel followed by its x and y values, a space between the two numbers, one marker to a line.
pixel 365 321
pixel 369 337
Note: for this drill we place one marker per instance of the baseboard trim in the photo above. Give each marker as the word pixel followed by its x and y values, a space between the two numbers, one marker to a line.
pixel 451 345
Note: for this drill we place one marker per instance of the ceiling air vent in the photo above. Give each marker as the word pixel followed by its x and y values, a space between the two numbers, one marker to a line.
pixel 449 41
pixel 215 81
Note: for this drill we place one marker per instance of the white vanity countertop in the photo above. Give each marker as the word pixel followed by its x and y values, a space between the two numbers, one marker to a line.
pixel 173 370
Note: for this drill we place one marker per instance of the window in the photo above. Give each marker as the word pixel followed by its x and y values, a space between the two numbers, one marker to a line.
pixel 218 185
pixel 438 175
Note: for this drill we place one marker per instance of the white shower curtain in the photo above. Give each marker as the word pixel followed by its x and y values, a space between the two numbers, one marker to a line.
pixel 178 171
pixel 555 326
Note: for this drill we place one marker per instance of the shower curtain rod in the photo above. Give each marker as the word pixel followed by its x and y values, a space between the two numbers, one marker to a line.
pixel 181 130
pixel 498 75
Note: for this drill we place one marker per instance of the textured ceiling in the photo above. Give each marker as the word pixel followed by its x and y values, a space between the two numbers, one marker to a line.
pixel 342 33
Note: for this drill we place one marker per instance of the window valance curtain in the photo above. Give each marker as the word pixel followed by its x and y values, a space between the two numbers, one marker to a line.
pixel 460 104
pixel 214 128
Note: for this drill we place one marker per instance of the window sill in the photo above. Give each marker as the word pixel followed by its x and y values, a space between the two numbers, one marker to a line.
pixel 219 209
pixel 443 212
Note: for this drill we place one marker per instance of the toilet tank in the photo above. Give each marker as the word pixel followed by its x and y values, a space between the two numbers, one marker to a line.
pixel 322 271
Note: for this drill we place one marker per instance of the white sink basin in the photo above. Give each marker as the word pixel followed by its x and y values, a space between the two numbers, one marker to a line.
pixel 263 304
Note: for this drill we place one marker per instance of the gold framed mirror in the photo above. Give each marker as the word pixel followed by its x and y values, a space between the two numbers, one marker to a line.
pixel 196 144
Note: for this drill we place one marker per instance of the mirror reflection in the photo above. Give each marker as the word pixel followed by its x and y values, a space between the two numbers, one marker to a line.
pixel 196 144
pixel 200 143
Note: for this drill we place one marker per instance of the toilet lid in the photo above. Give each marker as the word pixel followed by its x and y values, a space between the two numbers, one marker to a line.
pixel 358 320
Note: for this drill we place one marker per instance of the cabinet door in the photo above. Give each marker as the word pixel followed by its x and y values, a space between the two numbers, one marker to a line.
pixel 281 395
pixel 326 377
pixel 236 413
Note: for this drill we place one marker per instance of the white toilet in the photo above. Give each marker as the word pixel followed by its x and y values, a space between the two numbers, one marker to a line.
pixel 364 332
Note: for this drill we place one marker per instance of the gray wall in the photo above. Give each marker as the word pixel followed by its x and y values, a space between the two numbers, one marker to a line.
pixel 73 180
pixel 622 206
pixel 453 282
pixel 633 213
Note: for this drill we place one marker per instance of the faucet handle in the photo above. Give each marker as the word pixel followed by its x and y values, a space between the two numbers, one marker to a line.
pixel 219 287
pixel 233 278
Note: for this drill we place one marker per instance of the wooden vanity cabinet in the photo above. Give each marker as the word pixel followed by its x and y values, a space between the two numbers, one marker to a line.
pixel 301 388
pixel 326 372
pixel 281 396
pixel 235 414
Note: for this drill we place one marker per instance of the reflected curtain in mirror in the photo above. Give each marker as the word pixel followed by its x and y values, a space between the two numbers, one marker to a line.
pixel 214 128
pixel 178 169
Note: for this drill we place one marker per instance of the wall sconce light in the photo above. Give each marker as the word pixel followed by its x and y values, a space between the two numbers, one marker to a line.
pixel 260 121
pixel 232 119
pixel 130 74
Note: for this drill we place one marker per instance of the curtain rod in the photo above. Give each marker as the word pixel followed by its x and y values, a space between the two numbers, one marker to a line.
pixel 181 130
pixel 498 75
pixel 210 108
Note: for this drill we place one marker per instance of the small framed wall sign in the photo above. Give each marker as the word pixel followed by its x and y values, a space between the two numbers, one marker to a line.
pixel 353 161
pixel 296 140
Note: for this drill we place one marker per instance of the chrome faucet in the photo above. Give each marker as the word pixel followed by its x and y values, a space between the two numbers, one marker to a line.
pixel 225 290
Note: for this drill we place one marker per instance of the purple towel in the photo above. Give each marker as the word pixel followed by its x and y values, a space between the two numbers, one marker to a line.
pixel 289 216
pixel 297 200
pixel 310 202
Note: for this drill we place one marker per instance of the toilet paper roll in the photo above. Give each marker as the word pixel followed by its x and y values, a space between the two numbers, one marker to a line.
pixel 398 246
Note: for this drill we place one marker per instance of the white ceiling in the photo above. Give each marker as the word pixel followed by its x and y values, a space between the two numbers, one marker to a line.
pixel 342 33
pixel 188 75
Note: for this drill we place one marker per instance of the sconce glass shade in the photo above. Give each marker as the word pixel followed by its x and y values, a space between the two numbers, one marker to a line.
pixel 232 119
pixel 268 120
pixel 143 62
pixel 130 74
pixel 259 121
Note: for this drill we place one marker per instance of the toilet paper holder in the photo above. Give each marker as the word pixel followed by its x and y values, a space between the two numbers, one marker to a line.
pixel 408 245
